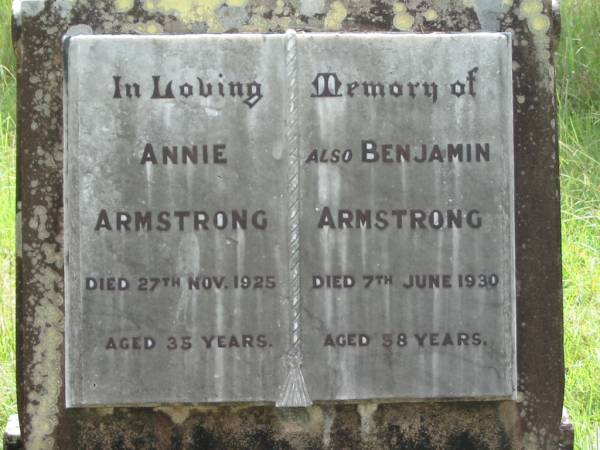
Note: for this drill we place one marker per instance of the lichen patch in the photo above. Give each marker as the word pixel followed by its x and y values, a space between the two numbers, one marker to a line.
pixel 178 415
pixel 190 11
pixel 124 5
pixel 430 14
pixel 403 21
pixel 335 16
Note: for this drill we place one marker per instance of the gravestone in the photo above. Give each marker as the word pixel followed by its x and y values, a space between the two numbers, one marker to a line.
pixel 239 231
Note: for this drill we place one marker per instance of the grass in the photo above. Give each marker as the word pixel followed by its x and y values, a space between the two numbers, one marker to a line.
pixel 578 80
pixel 7 220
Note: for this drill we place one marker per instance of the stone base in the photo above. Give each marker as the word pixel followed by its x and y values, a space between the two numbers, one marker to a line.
pixel 12 434
pixel 567 432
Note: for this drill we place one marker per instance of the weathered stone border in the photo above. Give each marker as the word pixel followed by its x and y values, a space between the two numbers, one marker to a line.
pixel 532 422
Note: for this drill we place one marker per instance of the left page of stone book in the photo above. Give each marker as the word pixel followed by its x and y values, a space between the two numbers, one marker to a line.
pixel 175 219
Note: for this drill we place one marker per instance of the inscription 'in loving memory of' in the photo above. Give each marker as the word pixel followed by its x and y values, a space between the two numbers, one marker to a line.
pixel 326 84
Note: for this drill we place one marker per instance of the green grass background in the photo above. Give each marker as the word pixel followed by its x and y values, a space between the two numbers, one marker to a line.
pixel 7 218
pixel 578 82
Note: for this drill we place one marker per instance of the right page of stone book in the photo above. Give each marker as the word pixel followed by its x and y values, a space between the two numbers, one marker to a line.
pixel 407 216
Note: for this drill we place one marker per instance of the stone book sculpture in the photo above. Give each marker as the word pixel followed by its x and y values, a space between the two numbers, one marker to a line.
pixel 399 255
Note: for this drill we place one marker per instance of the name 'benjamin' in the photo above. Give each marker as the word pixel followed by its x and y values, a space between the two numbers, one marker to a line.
pixel 396 153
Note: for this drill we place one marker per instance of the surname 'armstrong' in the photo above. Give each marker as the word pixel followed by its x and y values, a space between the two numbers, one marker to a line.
pixel 146 221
